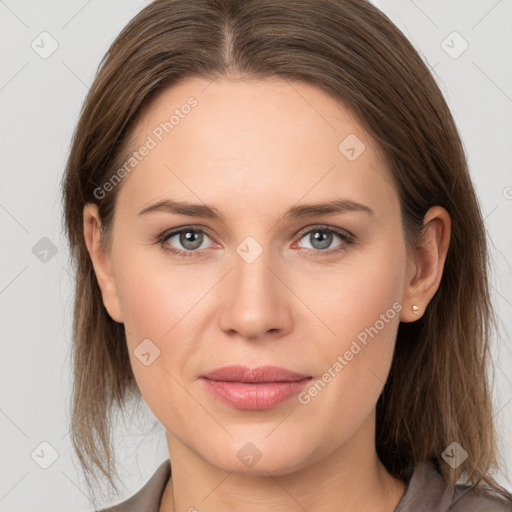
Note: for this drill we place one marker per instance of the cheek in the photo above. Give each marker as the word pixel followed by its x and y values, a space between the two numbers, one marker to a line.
pixel 355 295
pixel 160 302
pixel 361 307
pixel 155 311
pixel 155 296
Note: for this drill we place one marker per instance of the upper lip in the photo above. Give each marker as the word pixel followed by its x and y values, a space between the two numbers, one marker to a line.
pixel 238 373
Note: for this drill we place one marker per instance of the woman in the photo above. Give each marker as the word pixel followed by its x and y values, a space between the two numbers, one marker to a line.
pixel 279 249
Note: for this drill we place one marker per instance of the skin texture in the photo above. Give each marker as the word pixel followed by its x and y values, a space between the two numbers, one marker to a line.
pixel 253 149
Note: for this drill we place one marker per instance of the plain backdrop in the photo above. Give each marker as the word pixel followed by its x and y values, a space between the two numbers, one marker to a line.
pixel 468 45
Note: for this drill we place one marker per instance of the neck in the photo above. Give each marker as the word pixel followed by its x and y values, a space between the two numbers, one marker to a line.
pixel 352 477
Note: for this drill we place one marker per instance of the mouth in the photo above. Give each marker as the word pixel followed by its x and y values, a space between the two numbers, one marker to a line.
pixel 261 374
pixel 254 389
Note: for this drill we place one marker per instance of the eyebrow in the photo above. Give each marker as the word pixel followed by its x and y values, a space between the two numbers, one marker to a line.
pixel 295 212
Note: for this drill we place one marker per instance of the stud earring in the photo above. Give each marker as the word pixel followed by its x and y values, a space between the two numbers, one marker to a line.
pixel 415 308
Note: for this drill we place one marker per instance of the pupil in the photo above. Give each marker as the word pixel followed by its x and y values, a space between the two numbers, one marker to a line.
pixel 323 237
pixel 190 237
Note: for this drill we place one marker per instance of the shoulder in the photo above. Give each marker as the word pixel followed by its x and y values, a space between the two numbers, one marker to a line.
pixel 149 497
pixel 469 499
pixel 426 492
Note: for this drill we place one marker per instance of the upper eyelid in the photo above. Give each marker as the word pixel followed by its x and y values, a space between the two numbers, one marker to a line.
pixel 326 227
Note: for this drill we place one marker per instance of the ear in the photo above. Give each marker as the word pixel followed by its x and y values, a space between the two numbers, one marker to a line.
pixel 425 269
pixel 101 261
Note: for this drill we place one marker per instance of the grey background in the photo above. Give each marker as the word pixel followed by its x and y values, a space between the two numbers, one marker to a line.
pixel 39 103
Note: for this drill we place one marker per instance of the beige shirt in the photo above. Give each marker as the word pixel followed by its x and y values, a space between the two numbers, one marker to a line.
pixel 424 493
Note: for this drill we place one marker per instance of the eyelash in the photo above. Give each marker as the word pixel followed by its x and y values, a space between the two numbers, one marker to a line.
pixel 347 238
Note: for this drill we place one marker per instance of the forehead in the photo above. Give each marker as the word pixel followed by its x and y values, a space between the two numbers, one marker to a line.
pixel 255 138
pixel 252 113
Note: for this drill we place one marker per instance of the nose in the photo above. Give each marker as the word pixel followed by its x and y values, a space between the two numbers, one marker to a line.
pixel 255 302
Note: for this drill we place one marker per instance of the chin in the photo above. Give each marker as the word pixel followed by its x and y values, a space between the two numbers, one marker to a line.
pixel 260 458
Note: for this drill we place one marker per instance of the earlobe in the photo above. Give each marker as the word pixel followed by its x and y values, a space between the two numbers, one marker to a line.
pixel 425 273
pixel 101 261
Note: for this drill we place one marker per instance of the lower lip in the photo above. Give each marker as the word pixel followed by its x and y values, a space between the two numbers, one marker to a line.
pixel 258 396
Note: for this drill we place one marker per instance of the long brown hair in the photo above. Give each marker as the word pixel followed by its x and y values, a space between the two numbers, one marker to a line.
pixel 438 390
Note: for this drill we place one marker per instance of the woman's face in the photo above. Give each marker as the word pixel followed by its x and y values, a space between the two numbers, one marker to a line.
pixel 267 282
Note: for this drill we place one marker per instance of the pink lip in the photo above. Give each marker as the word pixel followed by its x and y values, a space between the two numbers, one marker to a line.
pixel 254 388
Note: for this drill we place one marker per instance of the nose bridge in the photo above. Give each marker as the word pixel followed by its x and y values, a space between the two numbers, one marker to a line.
pixel 253 303
pixel 252 271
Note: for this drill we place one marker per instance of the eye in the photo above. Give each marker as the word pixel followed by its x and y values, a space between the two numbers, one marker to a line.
pixel 321 237
pixel 191 239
